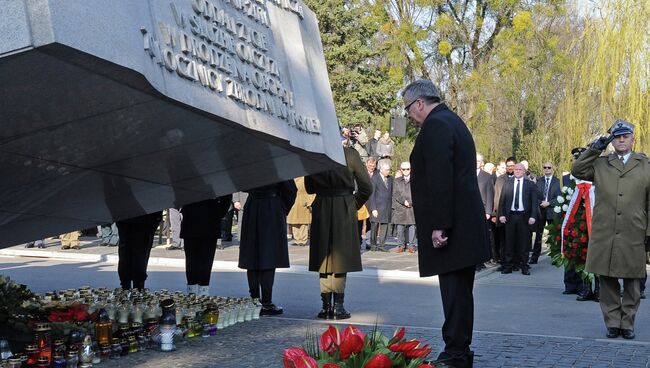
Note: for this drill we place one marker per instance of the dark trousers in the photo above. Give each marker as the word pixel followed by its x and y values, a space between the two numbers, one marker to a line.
pixel 539 231
pixel 517 241
pixel 199 255
pixel 261 280
pixel 500 242
pixel 495 252
pixel 456 290
pixel 378 234
pixel 226 224
pixel 136 239
pixel 572 281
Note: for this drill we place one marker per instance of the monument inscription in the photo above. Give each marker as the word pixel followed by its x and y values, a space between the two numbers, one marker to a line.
pixel 226 46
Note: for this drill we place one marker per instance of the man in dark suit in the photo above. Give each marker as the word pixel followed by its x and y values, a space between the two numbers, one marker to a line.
pixel 380 207
pixel 486 187
pixel 500 231
pixel 548 188
pixel 518 210
pixel 449 214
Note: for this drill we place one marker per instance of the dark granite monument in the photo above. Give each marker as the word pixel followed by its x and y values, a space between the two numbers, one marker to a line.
pixel 111 109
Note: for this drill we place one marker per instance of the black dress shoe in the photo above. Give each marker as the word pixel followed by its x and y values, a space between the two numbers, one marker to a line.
pixel 585 297
pixel 500 268
pixel 568 292
pixel 643 294
pixel 516 268
pixel 525 271
pixel 627 334
pixel 613 332
pixel 271 310
pixel 506 271
pixel 29 245
pixel 532 261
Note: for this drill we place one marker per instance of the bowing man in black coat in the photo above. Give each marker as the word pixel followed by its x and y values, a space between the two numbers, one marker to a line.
pixel 518 210
pixel 200 229
pixel 263 246
pixel 449 213
pixel 548 189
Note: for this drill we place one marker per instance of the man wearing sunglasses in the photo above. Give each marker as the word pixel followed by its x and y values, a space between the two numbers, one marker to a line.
pixel 449 213
pixel 548 188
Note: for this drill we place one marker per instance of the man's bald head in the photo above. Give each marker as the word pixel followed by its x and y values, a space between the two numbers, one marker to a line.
pixel 519 170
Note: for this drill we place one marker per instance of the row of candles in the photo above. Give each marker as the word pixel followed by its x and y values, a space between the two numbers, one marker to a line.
pixel 124 322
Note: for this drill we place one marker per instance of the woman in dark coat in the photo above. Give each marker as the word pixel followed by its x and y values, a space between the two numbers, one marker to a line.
pixel 200 229
pixel 334 248
pixel 263 246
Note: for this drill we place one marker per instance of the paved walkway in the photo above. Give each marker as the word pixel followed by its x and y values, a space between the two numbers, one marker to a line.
pixel 260 343
pixel 389 263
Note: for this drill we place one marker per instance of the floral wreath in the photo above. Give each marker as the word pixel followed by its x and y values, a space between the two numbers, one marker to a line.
pixel 568 235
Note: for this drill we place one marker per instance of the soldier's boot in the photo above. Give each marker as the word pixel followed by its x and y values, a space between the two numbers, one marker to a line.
pixel 339 311
pixel 326 312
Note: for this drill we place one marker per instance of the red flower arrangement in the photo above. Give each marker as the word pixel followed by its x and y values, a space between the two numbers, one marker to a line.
pixel 573 253
pixel 353 349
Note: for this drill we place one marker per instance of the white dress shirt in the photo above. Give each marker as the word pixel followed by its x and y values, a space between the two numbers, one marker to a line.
pixel 624 157
pixel 514 190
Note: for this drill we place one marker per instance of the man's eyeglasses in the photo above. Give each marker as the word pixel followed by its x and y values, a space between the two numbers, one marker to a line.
pixel 406 108
pixel 547 167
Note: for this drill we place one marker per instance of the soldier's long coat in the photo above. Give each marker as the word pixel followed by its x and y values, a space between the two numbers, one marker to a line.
pixel 334 244
pixel 620 213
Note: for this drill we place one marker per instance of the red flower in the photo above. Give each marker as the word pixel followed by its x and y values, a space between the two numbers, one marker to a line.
pixel 584 250
pixel 404 346
pixel 418 353
pixel 351 330
pixel 426 366
pixel 331 365
pixel 566 231
pixel 583 216
pixel 558 227
pixel 584 258
pixel 352 344
pixel 379 361
pixel 558 238
pixel 582 226
pixel 399 334
pixel 298 358
pixel 574 245
pixel 330 339
pixel 583 239
pixel 60 316
pixel 574 233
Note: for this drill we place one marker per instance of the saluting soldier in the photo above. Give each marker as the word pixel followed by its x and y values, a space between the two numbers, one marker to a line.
pixel 620 224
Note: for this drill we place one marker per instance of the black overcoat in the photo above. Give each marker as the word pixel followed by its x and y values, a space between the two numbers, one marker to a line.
pixel 486 187
pixel 203 219
pixel 334 243
pixel 381 199
pixel 446 195
pixel 402 215
pixel 263 243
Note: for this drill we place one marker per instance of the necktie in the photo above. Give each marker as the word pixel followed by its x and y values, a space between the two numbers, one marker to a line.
pixel 622 160
pixel 516 205
pixel 384 179
pixel 546 188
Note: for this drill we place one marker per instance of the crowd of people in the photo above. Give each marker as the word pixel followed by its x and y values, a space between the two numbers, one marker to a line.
pixel 457 217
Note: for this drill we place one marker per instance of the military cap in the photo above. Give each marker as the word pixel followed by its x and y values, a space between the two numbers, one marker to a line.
pixel 621 127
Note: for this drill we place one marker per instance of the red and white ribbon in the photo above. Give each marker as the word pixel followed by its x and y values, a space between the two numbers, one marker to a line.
pixel 584 189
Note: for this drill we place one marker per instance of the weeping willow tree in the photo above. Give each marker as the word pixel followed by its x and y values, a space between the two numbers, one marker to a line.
pixel 609 79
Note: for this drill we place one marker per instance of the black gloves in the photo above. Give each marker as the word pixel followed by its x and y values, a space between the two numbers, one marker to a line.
pixel 601 142
pixel 647 243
